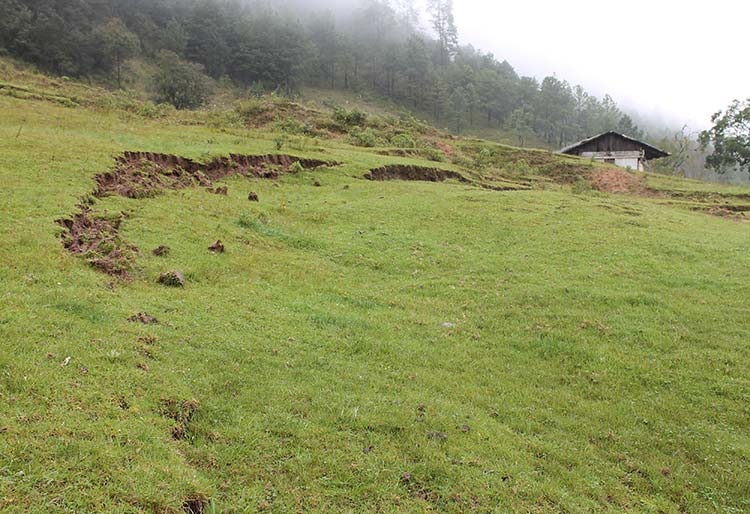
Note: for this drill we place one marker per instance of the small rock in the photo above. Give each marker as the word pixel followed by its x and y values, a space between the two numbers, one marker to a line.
pixel 223 190
pixel 368 449
pixel 217 247
pixel 448 324
pixel 253 196
pixel 160 251
pixel 465 428
pixel 172 279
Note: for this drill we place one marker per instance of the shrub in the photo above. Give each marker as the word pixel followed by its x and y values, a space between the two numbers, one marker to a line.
pixel 280 140
pixel 293 126
pixel 403 141
pixel 180 83
pixel 367 138
pixel 353 118
pixel 251 108
pixel 433 154
pixel 485 158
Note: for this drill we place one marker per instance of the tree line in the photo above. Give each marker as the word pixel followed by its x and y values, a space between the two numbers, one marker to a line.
pixel 375 46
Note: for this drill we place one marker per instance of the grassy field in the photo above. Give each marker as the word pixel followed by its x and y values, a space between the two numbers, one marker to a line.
pixel 363 346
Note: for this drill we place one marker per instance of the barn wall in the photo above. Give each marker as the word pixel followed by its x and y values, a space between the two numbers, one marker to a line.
pixel 609 143
pixel 632 163
pixel 630 159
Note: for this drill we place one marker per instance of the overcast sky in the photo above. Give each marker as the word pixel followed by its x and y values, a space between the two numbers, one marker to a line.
pixel 681 60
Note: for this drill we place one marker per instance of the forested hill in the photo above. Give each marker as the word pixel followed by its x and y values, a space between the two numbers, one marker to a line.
pixel 366 45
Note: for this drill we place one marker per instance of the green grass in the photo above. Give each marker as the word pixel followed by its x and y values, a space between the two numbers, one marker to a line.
pixel 594 345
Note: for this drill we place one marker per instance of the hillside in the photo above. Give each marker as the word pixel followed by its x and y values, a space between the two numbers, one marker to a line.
pixel 494 330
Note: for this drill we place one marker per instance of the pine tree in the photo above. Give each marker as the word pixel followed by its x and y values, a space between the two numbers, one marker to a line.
pixel 441 12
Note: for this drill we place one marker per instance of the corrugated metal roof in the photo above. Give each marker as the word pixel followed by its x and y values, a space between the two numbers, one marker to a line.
pixel 652 151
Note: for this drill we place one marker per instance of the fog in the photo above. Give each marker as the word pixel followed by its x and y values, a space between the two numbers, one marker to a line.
pixel 674 61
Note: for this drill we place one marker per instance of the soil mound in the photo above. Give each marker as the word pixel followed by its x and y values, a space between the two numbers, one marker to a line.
pixel 144 318
pixel 97 239
pixel 161 251
pixel 217 247
pixel 172 278
pixel 416 173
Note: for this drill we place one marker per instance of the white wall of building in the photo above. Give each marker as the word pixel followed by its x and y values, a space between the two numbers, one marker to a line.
pixel 632 160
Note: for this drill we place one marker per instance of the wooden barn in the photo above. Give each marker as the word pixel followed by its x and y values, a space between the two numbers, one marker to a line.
pixel 617 149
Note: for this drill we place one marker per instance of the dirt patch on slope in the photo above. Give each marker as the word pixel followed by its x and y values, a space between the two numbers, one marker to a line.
pixel 415 173
pixel 146 174
pixel 96 238
pixel 614 180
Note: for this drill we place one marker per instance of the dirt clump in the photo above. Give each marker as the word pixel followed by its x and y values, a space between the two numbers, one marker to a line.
pixel 172 279
pixel 415 173
pixel 96 238
pixel 217 247
pixel 253 196
pixel 437 436
pixel 179 411
pixel 161 251
pixel 614 180
pixel 197 504
pixel 144 318
pixel 735 212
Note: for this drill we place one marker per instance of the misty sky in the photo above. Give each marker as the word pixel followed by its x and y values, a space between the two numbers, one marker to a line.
pixel 679 60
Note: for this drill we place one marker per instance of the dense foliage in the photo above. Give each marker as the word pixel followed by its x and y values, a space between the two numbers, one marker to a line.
pixel 372 47
pixel 729 138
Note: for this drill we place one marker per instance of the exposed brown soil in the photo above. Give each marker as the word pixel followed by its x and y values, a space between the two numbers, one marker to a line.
pixel 179 411
pixel 146 174
pixel 144 318
pixel 736 212
pixel 195 505
pixel 172 279
pixel 217 247
pixel 417 173
pixel 161 251
pixel 613 180
pixel 96 238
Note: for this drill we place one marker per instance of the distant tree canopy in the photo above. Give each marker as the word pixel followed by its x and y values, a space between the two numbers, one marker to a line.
pixel 373 48
pixel 729 138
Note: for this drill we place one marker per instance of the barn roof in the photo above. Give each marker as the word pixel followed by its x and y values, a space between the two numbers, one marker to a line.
pixel 651 151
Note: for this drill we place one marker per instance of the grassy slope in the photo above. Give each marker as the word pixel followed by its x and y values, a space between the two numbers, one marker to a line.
pixel 599 354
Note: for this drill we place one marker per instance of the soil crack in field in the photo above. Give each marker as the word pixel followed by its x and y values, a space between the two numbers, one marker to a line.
pixel 144 175
pixel 425 174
